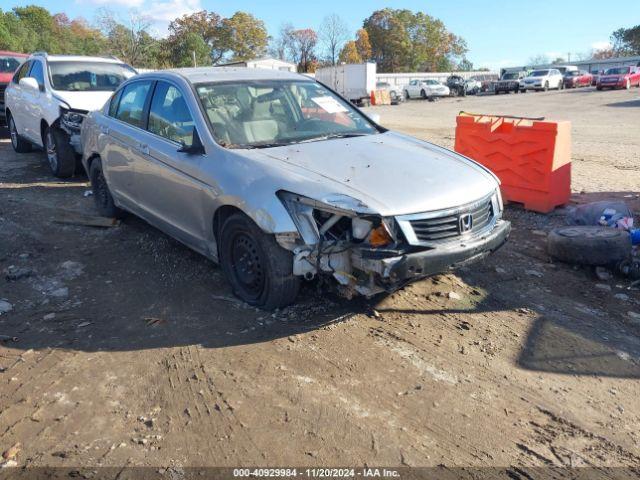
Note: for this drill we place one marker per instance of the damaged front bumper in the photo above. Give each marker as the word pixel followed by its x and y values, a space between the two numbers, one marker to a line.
pixel 369 271
pixel 398 270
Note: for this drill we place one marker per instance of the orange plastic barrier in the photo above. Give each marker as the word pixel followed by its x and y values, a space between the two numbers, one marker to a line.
pixel 531 158
pixel 380 97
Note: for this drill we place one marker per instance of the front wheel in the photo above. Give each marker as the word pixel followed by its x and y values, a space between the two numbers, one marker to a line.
pixel 19 144
pixel 423 94
pixel 60 155
pixel 260 271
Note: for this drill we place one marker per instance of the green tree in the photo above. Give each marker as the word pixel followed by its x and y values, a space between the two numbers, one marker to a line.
pixel 247 36
pixel 402 40
pixel 626 41
pixel 208 25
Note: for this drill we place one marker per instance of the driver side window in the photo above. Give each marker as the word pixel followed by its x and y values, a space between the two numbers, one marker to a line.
pixel 169 116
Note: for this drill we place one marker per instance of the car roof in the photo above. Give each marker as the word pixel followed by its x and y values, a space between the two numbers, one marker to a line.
pixel 13 54
pixel 78 58
pixel 225 74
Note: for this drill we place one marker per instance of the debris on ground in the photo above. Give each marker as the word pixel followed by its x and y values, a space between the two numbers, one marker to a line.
pixel 14 273
pixel 5 307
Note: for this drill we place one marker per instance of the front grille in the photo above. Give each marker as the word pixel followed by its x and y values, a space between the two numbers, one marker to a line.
pixel 445 227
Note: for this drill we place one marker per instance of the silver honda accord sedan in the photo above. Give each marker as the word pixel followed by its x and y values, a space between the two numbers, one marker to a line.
pixel 279 179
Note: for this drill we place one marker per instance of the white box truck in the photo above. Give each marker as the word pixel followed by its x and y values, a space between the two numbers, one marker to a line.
pixel 355 82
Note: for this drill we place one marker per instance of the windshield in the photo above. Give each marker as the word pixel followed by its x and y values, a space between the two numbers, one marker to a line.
pixel 539 73
pixel 88 76
pixel 271 113
pixel 510 76
pixel 573 73
pixel 10 64
pixel 617 71
pixel 431 82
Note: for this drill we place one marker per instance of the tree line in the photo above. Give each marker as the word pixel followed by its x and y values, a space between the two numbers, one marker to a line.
pixel 398 40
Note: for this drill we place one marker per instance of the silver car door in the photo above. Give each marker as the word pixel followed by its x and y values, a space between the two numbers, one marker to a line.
pixel 167 180
pixel 124 130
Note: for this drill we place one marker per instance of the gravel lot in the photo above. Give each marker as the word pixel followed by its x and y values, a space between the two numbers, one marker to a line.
pixel 132 351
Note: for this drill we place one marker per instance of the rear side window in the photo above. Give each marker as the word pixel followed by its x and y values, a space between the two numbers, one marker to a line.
pixel 22 72
pixel 169 116
pixel 132 102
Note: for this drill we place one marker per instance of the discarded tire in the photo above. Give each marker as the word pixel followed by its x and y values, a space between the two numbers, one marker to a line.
pixel 589 245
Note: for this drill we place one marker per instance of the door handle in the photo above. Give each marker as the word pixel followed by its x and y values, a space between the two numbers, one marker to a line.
pixel 143 148
pixel 104 130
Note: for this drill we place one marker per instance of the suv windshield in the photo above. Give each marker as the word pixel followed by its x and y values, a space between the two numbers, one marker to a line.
pixel 88 76
pixel 271 113
pixel 510 76
pixel 539 73
pixel 617 71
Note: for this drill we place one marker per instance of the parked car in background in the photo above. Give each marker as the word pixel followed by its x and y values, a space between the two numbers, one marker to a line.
pixel 595 74
pixel 546 79
pixel 509 82
pixel 426 89
pixel 9 63
pixel 49 97
pixel 228 162
pixel 619 77
pixel 577 78
pixel 457 86
pixel 394 92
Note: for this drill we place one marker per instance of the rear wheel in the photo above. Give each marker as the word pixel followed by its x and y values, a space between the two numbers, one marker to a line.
pixel 101 194
pixel 60 155
pixel 19 144
pixel 260 271
pixel 406 95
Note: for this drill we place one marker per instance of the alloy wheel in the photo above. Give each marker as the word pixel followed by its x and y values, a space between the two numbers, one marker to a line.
pixel 14 133
pixel 52 154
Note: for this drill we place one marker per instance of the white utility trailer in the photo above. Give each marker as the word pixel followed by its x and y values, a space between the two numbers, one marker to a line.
pixel 355 82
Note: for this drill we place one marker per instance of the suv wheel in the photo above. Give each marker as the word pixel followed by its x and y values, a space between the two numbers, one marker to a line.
pixel 19 144
pixel 406 95
pixel 260 271
pixel 101 194
pixel 423 94
pixel 60 155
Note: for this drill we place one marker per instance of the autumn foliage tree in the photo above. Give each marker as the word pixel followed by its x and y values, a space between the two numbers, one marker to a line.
pixel 349 53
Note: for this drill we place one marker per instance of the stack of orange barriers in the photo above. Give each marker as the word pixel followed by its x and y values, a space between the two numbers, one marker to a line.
pixel 531 157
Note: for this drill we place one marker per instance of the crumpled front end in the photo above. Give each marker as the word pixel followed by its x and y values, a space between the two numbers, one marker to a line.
pixel 70 122
pixel 369 254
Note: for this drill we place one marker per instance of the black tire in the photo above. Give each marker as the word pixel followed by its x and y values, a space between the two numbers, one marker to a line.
pixel 19 144
pixel 406 95
pixel 60 155
pixel 423 94
pixel 589 245
pixel 259 270
pixel 101 194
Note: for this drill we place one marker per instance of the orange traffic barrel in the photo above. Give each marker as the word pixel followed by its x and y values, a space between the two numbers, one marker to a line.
pixel 531 157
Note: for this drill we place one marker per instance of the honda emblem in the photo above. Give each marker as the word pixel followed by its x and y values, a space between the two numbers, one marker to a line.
pixel 465 223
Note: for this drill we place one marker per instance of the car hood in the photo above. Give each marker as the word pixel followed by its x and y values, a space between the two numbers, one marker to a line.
pixel 88 101
pixel 390 173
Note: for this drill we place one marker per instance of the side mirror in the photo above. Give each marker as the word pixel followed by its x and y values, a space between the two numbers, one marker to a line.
pixel 196 147
pixel 29 82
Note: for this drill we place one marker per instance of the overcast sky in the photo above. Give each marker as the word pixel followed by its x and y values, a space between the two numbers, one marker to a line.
pixel 499 32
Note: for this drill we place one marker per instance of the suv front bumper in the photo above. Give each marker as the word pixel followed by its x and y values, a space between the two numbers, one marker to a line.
pixel 412 266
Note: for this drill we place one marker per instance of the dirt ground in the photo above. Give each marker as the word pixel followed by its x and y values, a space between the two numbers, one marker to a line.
pixel 132 351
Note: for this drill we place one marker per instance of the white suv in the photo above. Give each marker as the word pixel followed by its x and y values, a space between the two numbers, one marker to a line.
pixel 49 97
pixel 543 80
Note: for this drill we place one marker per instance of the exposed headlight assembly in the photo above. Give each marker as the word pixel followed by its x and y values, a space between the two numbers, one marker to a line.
pixel 71 120
pixel 336 217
